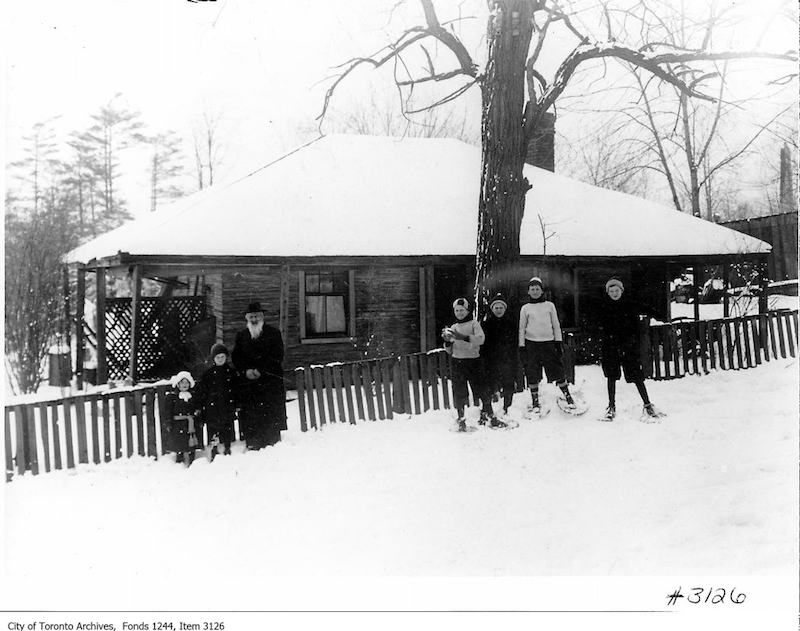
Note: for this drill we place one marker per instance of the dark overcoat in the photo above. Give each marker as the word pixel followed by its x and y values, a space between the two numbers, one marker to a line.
pixel 618 323
pixel 176 409
pixel 216 397
pixel 262 400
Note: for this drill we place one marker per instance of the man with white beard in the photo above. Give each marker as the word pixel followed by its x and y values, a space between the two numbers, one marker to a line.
pixel 258 358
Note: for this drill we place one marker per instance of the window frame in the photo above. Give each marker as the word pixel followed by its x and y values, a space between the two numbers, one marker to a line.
pixel 350 311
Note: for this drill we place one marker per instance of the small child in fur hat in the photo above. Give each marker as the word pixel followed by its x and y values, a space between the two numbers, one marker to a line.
pixel 216 399
pixel 463 340
pixel 499 351
pixel 181 409
pixel 541 343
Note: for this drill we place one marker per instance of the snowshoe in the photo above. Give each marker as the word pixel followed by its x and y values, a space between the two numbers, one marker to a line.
pixel 650 414
pixel 610 414
pixel 536 412
pixel 576 407
pixel 506 424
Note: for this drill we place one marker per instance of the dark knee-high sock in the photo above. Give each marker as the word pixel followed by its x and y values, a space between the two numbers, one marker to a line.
pixel 643 392
pixel 535 394
pixel 612 392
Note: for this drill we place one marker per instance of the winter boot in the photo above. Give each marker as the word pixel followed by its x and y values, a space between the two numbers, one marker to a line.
pixel 462 424
pixel 496 423
pixel 486 418
pixel 609 415
pixel 650 414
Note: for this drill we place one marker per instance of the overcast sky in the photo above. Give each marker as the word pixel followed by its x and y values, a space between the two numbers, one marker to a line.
pixel 261 64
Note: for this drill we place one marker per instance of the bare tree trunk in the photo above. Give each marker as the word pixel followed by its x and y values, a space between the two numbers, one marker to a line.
pixel 694 188
pixel 503 186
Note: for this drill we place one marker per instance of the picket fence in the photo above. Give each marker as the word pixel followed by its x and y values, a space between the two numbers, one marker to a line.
pixel 96 427
pixel 373 389
pixel 104 426
pixel 673 350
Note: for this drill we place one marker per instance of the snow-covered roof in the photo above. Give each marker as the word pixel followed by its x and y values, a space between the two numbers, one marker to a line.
pixel 381 196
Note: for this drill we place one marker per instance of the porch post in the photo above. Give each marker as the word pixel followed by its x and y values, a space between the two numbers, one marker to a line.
pixel 67 313
pixel 763 278
pixel 283 313
pixel 100 282
pixel 726 281
pixel 423 310
pixel 136 321
pixel 80 349
pixel 698 278
pixel 430 305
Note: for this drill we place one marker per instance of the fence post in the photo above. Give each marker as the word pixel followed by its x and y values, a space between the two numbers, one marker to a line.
pixel 9 449
pixel 300 386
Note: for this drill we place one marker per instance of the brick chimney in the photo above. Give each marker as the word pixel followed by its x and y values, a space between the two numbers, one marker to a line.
pixel 541 150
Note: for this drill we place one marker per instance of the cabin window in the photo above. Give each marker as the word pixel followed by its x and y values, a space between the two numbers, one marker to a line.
pixel 327 299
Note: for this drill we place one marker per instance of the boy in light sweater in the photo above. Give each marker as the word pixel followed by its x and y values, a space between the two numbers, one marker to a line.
pixel 540 342
pixel 462 341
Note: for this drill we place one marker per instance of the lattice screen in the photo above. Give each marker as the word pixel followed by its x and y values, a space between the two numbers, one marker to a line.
pixel 164 327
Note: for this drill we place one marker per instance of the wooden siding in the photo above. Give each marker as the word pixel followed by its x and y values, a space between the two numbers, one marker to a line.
pixel 780 231
pixel 214 299
pixel 386 305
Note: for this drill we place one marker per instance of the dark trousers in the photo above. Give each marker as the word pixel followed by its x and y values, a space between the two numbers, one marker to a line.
pixel 469 371
pixel 501 376
pixel 542 356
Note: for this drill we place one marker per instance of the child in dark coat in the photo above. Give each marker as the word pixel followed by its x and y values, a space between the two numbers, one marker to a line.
pixel 499 351
pixel 181 408
pixel 619 338
pixel 463 340
pixel 217 401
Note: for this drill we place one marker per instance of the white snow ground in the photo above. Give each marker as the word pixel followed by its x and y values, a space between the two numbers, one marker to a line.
pixel 711 491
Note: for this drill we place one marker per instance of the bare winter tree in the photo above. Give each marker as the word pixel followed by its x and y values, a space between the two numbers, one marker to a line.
pixel 516 91
pixel 209 149
pixel 165 166
pixel 114 128
pixel 379 118
pixel 36 168
pixel 601 159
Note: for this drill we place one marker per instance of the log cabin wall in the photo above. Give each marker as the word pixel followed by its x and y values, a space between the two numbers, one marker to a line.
pixel 213 293
pixel 387 311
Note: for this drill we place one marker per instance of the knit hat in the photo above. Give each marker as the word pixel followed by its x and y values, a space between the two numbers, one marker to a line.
pixel 614 282
pixel 217 349
pixel 461 302
pixel 536 281
pixel 183 374
pixel 498 298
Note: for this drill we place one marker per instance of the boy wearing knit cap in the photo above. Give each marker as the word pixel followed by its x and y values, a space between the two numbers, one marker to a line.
pixel 499 351
pixel 463 341
pixel 619 340
pixel 541 343
pixel 216 398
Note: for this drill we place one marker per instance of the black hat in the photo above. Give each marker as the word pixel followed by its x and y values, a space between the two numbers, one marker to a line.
pixel 217 349
pixel 254 307
pixel 536 281
pixel 498 298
